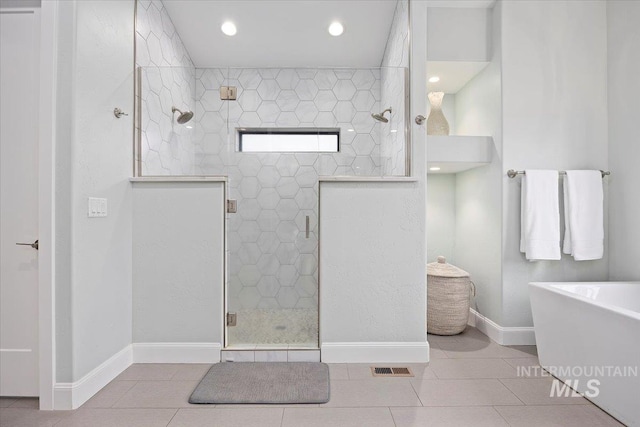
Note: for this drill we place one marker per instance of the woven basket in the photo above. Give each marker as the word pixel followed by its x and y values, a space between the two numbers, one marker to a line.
pixel 449 291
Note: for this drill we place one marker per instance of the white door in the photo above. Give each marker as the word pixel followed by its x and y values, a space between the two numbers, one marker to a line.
pixel 19 47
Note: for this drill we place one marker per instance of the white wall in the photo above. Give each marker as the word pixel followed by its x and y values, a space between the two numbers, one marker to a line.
pixel 101 251
pixel 64 128
pixel 478 231
pixel 624 134
pixel 459 34
pixel 93 279
pixel 178 258
pixel 441 216
pixel 554 79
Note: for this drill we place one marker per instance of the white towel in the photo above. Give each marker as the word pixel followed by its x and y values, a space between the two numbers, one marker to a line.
pixel 540 215
pixel 584 215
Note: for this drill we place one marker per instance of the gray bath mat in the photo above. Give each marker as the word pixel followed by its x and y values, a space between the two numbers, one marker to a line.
pixel 264 382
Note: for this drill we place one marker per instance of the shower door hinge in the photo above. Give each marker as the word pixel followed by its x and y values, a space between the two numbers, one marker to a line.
pixel 231 319
pixel 228 93
pixel 232 206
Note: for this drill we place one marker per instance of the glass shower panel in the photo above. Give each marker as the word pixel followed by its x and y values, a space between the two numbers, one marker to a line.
pixel 393 134
pixel 165 145
pixel 395 94
pixel 211 114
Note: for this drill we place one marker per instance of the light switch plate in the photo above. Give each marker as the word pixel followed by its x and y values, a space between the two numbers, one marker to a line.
pixel 97 207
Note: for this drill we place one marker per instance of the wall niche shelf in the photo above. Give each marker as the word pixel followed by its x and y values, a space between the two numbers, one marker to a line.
pixel 453 154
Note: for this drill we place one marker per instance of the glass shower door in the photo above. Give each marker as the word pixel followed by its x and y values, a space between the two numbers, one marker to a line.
pixel 272 243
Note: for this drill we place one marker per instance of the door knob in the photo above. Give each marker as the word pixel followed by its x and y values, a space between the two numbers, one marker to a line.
pixel 34 245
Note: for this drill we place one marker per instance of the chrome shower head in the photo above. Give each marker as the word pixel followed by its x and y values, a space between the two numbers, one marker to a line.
pixel 183 117
pixel 380 117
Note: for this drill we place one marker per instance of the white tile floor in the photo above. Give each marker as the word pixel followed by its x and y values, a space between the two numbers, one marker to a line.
pixel 470 381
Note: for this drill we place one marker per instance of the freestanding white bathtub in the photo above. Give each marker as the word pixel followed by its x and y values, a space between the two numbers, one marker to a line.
pixel 591 331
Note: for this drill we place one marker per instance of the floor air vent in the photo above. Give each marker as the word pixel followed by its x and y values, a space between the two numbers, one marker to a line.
pixel 378 371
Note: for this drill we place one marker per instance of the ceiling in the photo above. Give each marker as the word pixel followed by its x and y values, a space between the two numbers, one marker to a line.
pixel 283 33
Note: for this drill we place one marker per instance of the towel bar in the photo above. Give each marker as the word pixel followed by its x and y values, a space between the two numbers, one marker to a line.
pixel 513 173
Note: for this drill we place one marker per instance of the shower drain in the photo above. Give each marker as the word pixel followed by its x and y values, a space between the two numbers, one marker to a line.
pixel 378 371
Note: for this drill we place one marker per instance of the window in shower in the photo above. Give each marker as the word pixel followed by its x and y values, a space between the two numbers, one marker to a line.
pixel 292 140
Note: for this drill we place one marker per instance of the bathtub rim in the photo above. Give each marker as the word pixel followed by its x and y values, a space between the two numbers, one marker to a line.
pixel 548 286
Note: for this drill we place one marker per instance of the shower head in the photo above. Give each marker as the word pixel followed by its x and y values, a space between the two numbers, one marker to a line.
pixel 380 117
pixel 183 117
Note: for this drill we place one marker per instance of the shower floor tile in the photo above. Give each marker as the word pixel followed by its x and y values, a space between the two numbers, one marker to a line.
pixel 274 328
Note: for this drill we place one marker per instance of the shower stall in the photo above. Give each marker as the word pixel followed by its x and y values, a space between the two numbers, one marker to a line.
pixel 274 133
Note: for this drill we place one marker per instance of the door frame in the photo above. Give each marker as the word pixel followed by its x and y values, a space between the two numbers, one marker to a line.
pixel 46 201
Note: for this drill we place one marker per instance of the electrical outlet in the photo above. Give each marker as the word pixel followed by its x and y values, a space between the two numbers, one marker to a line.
pixel 97 208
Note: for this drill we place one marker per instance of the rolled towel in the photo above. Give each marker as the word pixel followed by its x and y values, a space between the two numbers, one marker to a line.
pixel 540 215
pixel 584 215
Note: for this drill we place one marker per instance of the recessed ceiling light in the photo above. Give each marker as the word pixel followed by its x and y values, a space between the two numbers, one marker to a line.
pixel 393 130
pixel 435 168
pixel 335 29
pixel 434 79
pixel 350 130
pixel 229 28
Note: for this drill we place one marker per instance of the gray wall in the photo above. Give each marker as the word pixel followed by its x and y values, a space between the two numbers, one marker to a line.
pixel 554 80
pixel 178 258
pixel 93 255
pixel 624 139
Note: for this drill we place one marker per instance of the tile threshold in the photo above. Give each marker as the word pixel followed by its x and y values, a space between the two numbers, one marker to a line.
pixel 253 348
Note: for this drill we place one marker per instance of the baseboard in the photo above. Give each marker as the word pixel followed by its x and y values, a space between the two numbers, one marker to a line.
pixel 68 396
pixel 176 352
pixel 501 334
pixel 375 352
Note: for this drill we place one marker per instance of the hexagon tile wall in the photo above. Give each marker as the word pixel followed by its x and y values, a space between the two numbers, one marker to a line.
pixel 312 98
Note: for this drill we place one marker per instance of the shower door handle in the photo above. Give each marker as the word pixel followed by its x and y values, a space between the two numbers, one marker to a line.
pixel 420 119
pixel 307 226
